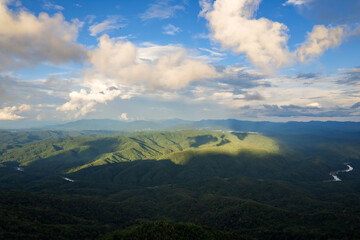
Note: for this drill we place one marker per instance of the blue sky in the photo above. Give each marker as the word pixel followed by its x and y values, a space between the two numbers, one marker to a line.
pixel 278 60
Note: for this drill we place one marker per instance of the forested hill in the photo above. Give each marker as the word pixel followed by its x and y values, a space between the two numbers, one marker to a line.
pixel 71 154
pixel 329 129
pixel 185 184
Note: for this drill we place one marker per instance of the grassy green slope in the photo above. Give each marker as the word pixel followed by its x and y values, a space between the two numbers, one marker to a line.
pixel 73 154
pixel 231 182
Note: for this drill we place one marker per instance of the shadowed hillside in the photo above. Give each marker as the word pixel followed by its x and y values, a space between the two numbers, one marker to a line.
pixel 178 185
pixel 72 154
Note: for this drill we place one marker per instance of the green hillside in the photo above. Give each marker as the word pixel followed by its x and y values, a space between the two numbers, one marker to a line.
pixel 178 185
pixel 69 155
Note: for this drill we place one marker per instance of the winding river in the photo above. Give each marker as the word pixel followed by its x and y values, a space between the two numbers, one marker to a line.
pixel 335 173
pixel 68 179
pixel 20 169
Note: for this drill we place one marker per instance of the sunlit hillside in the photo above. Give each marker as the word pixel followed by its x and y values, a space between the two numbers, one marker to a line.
pixel 73 154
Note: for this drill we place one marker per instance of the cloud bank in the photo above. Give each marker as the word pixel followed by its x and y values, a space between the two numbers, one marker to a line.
pixel 8 113
pixel 119 72
pixel 27 40
pixel 318 41
pixel 263 41
pixel 119 60
pixel 11 113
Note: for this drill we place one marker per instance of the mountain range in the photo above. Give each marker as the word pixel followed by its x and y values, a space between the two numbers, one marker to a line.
pixel 175 179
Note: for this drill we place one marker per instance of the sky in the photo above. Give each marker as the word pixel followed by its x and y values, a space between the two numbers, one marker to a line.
pixel 279 60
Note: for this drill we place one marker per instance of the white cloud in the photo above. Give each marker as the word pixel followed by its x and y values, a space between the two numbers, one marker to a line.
pixel 51 6
pixel 149 52
pixel 27 40
pixel 171 29
pixel 121 70
pixel 233 25
pixel 124 37
pixel 100 91
pixel 24 108
pixel 206 6
pixel 123 116
pixel 212 52
pixel 297 2
pixel 9 113
pixel 162 10
pixel 46 105
pixel 110 23
pixel 264 42
pixel 173 70
pixel 296 98
pixel 314 105
pixel 319 40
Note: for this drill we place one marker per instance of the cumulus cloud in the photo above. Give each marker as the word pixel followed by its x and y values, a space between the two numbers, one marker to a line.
pixel 234 26
pixel 264 42
pixel 24 108
pixel 98 91
pixel 149 52
pixel 313 105
pixel 123 116
pixel 322 100
pixel 10 113
pixel 113 22
pixel 171 29
pixel 27 40
pixel 161 10
pixel 122 70
pixel 319 40
pixel 285 96
pixel 120 61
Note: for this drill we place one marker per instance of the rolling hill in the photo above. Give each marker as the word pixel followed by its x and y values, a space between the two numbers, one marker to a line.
pixel 68 155
pixel 185 184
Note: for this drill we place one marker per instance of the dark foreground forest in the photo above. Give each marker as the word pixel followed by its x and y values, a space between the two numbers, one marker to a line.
pixel 186 184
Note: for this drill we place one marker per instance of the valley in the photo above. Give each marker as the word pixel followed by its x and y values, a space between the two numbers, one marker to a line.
pixel 179 120
pixel 229 183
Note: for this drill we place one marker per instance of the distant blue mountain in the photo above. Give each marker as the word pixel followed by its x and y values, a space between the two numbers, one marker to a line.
pixel 312 127
pixel 329 128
